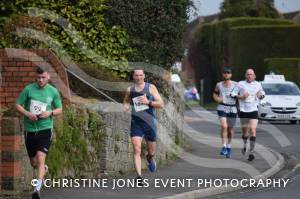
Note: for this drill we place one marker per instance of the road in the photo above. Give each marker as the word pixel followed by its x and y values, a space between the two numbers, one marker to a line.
pixel 292 191
pixel 283 138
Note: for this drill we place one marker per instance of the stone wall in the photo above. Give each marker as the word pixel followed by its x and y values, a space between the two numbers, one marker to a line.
pixel 109 155
pixel 116 154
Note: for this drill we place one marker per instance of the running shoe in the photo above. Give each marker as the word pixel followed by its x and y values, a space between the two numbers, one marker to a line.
pixel 223 151
pixel 251 157
pixel 244 150
pixel 151 164
pixel 228 154
pixel 36 195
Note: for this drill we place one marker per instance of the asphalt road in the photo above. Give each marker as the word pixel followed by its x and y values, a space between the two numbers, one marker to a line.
pixel 291 151
pixel 284 139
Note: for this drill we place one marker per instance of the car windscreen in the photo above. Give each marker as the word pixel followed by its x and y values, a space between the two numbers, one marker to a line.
pixel 280 89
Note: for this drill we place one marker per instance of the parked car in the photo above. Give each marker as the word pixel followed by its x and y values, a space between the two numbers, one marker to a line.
pixel 282 101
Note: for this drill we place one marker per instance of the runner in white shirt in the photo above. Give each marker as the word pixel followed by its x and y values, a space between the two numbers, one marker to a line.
pixel 249 92
pixel 226 109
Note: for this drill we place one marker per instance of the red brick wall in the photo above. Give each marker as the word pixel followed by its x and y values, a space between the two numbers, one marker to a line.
pixel 18 68
pixel 10 150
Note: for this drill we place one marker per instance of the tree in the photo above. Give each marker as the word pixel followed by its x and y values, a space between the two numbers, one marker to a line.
pixel 155 28
pixel 250 8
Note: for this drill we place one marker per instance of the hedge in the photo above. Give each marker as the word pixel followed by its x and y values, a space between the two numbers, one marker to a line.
pixel 215 37
pixel 289 67
pixel 209 48
pixel 249 46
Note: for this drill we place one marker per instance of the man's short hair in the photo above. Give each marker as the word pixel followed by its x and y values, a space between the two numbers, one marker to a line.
pixel 134 69
pixel 42 69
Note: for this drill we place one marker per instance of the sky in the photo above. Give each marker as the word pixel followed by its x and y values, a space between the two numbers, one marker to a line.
pixel 208 7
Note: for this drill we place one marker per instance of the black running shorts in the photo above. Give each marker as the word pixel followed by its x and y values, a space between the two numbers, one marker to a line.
pixel 249 115
pixel 38 141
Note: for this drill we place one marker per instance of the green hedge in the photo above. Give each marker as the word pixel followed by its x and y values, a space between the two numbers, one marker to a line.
pixel 250 45
pixel 209 48
pixel 289 67
pixel 215 36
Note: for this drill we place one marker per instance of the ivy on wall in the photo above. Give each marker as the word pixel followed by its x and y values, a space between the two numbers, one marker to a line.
pixel 78 26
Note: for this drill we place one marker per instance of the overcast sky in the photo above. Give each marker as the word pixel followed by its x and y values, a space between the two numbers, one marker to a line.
pixel 208 7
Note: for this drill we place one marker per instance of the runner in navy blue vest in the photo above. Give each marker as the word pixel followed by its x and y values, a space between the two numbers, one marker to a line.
pixel 143 99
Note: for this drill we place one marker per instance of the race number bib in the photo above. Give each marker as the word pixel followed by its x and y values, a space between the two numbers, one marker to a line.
pixel 137 106
pixel 227 99
pixel 250 98
pixel 37 107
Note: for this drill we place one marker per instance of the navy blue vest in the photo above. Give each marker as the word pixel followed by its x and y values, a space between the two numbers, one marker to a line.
pixel 146 115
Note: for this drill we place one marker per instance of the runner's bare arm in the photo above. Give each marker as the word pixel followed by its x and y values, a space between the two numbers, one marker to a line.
pixel 240 93
pixel 22 110
pixel 54 112
pixel 57 111
pixel 216 95
pixel 157 102
pixel 126 101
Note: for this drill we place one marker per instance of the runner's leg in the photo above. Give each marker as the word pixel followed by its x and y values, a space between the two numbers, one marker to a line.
pixel 151 147
pixel 137 145
pixel 253 126
pixel 245 133
pixel 230 131
pixel 40 160
pixel 224 133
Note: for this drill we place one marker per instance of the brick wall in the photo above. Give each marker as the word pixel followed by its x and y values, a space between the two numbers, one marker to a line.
pixel 18 68
pixel 15 169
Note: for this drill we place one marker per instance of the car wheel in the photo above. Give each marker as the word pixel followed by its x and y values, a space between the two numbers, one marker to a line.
pixel 293 121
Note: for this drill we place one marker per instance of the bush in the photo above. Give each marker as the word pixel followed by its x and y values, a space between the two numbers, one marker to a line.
pixel 251 8
pixel 249 46
pixel 215 37
pixel 73 141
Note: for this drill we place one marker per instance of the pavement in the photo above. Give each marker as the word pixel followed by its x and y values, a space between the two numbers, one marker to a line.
pixel 185 178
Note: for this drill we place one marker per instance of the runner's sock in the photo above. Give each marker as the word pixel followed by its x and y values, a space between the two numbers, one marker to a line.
pixel 38 186
pixel 224 145
pixel 228 145
pixel 252 143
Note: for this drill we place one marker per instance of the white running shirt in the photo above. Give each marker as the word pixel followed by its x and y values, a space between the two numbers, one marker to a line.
pixel 224 93
pixel 251 102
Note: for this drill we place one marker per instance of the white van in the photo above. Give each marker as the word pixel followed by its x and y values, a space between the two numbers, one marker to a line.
pixel 282 101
